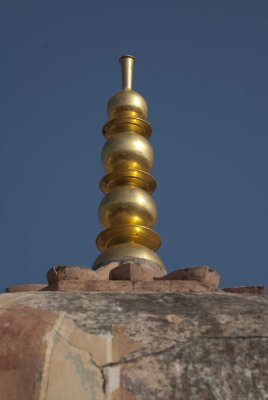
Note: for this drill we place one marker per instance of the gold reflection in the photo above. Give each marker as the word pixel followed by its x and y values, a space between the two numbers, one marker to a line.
pixel 127 211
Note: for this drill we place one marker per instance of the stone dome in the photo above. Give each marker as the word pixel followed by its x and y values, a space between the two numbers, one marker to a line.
pixel 67 345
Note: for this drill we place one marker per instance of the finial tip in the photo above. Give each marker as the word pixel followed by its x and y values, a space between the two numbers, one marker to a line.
pixel 127 56
pixel 127 63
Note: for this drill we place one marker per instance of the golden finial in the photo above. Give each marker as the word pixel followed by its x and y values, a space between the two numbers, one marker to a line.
pixel 127 212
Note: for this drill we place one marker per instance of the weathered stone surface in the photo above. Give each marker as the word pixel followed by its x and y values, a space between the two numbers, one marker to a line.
pixel 69 272
pixel 205 275
pixel 172 346
pixel 135 260
pixel 189 286
pixel 134 272
pixel 32 287
pixel 103 272
pixel 156 286
pixel 129 286
pixel 92 286
pixel 259 290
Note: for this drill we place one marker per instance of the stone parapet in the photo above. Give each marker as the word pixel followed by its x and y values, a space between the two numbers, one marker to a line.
pixel 131 277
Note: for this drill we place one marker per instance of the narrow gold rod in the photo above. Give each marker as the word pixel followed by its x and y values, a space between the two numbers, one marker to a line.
pixel 127 63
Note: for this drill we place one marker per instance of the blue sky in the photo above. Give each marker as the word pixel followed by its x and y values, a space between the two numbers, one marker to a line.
pixel 202 67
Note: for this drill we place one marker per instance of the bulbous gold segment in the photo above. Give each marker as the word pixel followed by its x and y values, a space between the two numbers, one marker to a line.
pixel 128 251
pixel 128 102
pixel 126 123
pixel 127 206
pixel 128 234
pixel 127 150
pixel 128 177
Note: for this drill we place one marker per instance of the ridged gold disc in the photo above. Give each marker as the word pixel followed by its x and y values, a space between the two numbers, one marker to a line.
pixel 128 177
pixel 128 234
pixel 127 124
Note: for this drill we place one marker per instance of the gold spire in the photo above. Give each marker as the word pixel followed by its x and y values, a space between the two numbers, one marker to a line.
pixel 127 212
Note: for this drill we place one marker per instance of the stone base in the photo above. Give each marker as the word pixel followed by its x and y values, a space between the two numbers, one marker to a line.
pixel 129 286
pixel 260 290
pixel 27 288
pixel 130 277
pixel 132 260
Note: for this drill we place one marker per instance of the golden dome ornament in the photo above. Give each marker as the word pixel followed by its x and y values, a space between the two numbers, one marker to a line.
pixel 127 211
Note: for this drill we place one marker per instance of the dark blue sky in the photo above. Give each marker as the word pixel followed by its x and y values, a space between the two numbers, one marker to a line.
pixel 202 67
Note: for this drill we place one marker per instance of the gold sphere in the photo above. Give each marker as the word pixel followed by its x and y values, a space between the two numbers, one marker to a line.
pixel 128 251
pixel 127 150
pixel 127 103
pixel 127 205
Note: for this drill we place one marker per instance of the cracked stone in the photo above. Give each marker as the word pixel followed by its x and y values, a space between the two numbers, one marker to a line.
pixel 134 272
pixel 185 346
pixel 67 272
pixel 204 275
